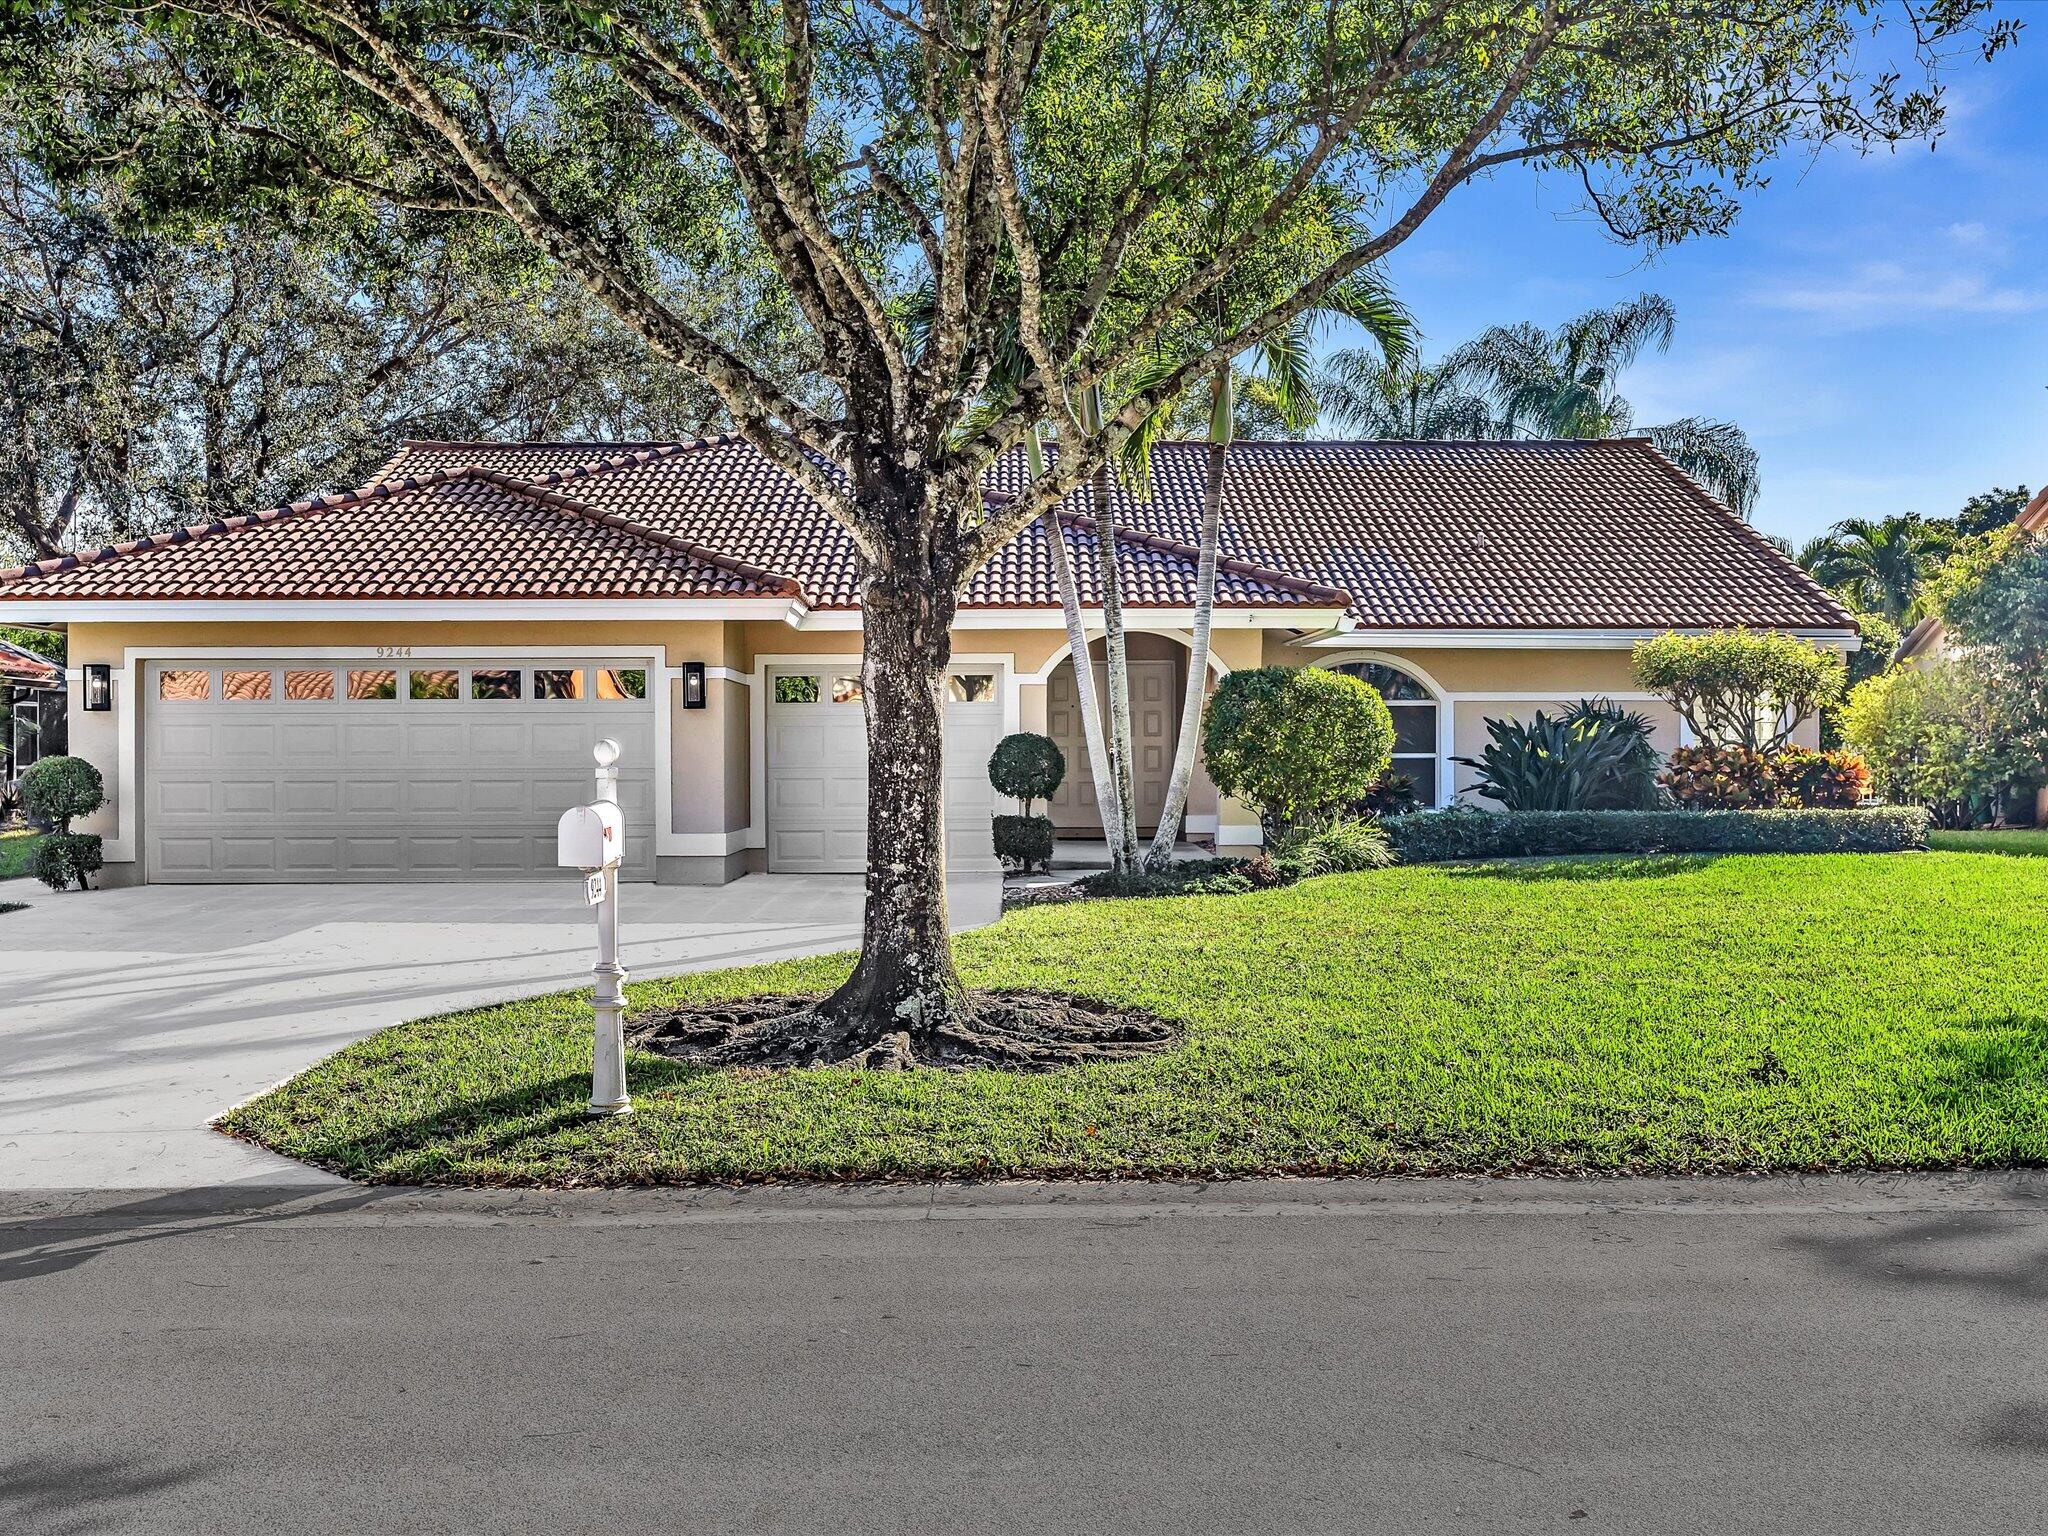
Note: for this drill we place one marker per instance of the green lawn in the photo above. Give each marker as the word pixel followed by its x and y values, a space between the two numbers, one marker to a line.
pixel 2023 840
pixel 1601 1015
pixel 15 848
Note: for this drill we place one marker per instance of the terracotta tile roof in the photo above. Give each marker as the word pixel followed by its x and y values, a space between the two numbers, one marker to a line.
pixel 460 532
pixel 1525 535
pixel 19 665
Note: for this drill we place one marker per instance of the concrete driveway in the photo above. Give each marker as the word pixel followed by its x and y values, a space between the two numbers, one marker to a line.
pixel 130 1018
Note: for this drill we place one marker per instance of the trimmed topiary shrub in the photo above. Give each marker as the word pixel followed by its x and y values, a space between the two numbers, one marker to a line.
pixel 1027 767
pixel 57 789
pixel 1025 841
pixel 1296 743
pixel 1821 780
pixel 1741 687
pixel 1719 779
pixel 62 857
pixel 1437 836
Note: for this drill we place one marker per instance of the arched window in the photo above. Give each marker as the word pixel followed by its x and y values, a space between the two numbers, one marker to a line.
pixel 1414 710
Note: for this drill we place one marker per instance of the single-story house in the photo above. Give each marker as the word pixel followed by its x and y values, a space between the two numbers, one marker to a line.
pixel 404 681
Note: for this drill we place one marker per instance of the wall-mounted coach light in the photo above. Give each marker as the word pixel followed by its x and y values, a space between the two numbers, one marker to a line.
pixel 99 686
pixel 693 685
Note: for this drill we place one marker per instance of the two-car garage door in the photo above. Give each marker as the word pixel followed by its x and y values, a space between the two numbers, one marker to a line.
pixel 383 768
pixel 817 768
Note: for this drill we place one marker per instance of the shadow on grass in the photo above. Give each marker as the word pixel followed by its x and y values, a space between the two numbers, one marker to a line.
pixel 1987 1057
pixel 1585 866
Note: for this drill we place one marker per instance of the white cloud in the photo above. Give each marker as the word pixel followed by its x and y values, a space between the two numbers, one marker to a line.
pixel 1886 293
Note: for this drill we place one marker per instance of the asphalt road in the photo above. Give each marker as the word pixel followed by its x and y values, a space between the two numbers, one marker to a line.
pixel 1642 1357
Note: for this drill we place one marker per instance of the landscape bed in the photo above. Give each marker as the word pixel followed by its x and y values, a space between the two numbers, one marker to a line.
pixel 1666 1014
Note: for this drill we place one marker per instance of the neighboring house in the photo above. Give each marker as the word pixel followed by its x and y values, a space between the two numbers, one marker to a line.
pixel 31 708
pixel 404 681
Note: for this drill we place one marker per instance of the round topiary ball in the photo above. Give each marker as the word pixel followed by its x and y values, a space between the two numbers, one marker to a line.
pixel 1027 767
pixel 59 788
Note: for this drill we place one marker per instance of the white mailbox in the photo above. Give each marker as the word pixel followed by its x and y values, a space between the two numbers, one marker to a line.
pixel 590 837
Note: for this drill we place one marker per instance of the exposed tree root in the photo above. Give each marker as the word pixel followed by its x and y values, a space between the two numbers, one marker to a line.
pixel 1018 1031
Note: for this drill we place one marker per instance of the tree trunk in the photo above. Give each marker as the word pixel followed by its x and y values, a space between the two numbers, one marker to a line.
pixel 1107 804
pixel 1123 830
pixel 1160 854
pixel 904 980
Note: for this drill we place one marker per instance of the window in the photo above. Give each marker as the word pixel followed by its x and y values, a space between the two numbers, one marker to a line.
pixel 846 690
pixel 796 689
pixel 245 687
pixel 439 684
pixel 1414 709
pixel 309 685
pixel 621 683
pixel 970 687
pixel 183 687
pixel 373 684
pixel 558 683
pixel 496 683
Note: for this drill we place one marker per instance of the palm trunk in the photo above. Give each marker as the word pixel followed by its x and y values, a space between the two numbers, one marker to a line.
pixel 1160 854
pixel 904 980
pixel 1122 805
pixel 1106 804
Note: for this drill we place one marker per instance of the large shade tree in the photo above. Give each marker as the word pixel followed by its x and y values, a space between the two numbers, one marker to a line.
pixel 1037 168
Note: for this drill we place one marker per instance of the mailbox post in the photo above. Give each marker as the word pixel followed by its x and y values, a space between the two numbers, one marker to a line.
pixel 592 838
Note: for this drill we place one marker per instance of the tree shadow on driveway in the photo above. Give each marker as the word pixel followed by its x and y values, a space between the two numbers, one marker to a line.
pixel 70 1495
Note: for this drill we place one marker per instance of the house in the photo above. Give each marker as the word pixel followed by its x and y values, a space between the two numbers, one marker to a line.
pixel 404 681
pixel 31 708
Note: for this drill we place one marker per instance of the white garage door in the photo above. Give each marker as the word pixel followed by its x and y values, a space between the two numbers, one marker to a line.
pixel 382 769
pixel 818 768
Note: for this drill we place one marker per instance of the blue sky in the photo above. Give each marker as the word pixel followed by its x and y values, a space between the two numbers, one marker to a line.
pixel 1879 325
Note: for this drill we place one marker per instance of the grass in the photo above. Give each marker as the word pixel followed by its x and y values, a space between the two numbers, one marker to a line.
pixel 1598 1015
pixel 15 849
pixel 2021 840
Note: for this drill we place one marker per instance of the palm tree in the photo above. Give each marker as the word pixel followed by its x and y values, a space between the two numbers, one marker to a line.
pixel 1372 397
pixel 1879 566
pixel 1564 383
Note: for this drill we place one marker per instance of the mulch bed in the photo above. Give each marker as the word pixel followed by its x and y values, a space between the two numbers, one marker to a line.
pixel 1020 1031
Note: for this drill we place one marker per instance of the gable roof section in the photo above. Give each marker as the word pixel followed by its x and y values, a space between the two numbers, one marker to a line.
pixel 22 666
pixel 461 532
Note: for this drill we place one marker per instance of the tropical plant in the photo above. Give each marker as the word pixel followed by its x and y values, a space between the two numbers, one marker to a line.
pixel 1043 170
pixel 1991 510
pixel 1931 737
pixel 1373 397
pixel 1296 743
pixel 1342 845
pixel 1821 781
pixel 2000 616
pixel 1720 779
pixel 1879 565
pixel 1564 383
pixel 1392 794
pixel 1593 757
pixel 1749 688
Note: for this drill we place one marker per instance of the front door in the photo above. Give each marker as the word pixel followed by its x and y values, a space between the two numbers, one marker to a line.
pixel 1155 729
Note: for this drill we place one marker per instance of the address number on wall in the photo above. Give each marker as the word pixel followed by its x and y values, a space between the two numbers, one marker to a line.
pixel 388 651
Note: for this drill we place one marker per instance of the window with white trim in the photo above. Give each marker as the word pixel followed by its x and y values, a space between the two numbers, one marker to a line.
pixel 1414 709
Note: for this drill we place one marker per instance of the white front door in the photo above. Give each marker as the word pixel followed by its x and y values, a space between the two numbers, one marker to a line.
pixel 380 769
pixel 817 767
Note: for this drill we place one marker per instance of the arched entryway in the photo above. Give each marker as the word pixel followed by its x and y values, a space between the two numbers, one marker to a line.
pixel 1158 674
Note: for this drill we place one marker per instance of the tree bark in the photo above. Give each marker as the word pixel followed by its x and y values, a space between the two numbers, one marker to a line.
pixel 1107 805
pixel 904 980
pixel 1122 831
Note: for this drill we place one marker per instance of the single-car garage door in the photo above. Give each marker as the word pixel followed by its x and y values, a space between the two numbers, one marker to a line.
pixel 384 769
pixel 818 768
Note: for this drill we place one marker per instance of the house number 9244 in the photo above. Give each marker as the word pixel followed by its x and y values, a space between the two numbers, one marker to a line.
pixel 388 651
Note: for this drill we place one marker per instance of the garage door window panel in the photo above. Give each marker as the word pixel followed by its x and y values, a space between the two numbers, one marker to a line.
pixel 559 683
pixel 846 690
pixel 435 686
pixel 491 684
pixel 245 687
pixel 372 684
pixel 183 686
pixel 970 687
pixel 308 687
pixel 619 684
pixel 796 688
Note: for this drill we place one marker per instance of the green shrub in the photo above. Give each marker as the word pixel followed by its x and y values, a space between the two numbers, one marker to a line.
pixel 1594 757
pixel 1740 687
pixel 1025 841
pixel 1194 877
pixel 58 789
pixel 1719 779
pixel 1027 767
pixel 1821 781
pixel 1392 794
pixel 1934 736
pixel 63 857
pixel 1296 743
pixel 1436 836
pixel 1340 847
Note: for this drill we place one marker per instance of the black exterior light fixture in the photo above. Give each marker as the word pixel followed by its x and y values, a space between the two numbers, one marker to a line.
pixel 99 687
pixel 693 685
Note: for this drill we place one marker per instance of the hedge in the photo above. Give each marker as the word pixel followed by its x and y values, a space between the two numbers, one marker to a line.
pixel 1430 837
